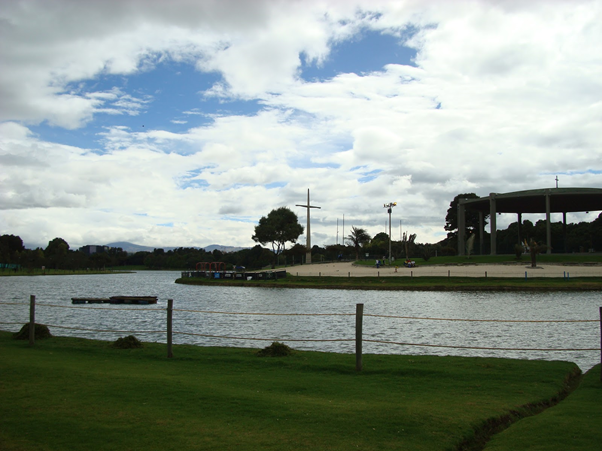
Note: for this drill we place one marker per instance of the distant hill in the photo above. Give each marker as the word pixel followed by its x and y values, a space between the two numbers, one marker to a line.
pixel 133 248
pixel 224 249
pixel 130 247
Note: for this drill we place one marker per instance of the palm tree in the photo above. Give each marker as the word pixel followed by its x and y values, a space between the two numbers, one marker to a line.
pixel 357 239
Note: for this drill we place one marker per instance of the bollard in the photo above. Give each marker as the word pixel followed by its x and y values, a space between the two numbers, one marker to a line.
pixel 32 320
pixel 411 274
pixel 359 314
pixel 525 275
pixel 349 274
pixel 485 274
pixel 448 273
pixel 169 328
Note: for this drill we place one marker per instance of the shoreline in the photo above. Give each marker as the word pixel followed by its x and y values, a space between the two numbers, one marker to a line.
pixel 472 277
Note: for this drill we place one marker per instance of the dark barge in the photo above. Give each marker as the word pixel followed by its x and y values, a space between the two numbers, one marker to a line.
pixel 137 300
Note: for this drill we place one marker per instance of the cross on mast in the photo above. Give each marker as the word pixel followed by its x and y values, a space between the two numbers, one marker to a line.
pixel 308 206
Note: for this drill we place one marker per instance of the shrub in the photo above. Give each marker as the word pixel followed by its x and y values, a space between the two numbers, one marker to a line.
pixel 518 250
pixel 40 332
pixel 129 342
pixel 427 253
pixel 448 251
pixel 275 350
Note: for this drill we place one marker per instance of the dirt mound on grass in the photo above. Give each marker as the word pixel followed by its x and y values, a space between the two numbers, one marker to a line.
pixel 275 350
pixel 40 332
pixel 129 342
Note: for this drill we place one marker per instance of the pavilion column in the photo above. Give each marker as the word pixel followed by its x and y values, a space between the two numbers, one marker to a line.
pixel 548 224
pixel 461 227
pixel 566 244
pixel 520 225
pixel 481 227
pixel 492 222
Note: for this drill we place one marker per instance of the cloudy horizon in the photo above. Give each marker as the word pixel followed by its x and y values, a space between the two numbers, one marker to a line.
pixel 182 123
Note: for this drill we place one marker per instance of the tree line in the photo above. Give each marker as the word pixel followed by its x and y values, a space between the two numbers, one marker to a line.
pixel 281 226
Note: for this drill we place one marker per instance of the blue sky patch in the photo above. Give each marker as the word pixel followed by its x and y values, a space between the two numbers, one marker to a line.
pixel 368 52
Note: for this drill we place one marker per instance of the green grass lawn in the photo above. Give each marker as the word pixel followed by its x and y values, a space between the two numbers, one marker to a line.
pixel 574 424
pixel 69 393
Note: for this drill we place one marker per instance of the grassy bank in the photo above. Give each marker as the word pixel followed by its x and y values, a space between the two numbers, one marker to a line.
pixel 69 393
pixel 412 283
pixel 574 424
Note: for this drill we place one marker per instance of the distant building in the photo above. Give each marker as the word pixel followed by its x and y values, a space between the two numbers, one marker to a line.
pixel 93 249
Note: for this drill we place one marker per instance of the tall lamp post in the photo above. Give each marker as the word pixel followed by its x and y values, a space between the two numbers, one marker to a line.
pixel 389 207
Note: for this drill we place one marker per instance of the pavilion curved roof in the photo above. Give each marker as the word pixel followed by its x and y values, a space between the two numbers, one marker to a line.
pixel 534 201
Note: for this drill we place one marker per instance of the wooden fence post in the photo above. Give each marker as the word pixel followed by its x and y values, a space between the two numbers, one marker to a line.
pixel 32 320
pixel 169 328
pixel 359 315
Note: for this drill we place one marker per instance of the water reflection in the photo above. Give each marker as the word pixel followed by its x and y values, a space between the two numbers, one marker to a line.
pixel 58 290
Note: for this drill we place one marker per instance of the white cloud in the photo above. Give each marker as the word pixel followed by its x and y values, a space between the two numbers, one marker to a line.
pixel 505 96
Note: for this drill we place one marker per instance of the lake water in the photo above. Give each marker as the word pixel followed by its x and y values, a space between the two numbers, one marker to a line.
pixel 297 316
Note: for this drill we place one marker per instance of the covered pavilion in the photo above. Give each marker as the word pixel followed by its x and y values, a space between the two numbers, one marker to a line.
pixel 549 200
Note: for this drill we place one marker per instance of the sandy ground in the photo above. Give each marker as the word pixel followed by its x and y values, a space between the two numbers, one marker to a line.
pixel 347 269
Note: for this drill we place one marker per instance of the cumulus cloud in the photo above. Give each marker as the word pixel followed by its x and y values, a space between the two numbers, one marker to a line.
pixel 501 96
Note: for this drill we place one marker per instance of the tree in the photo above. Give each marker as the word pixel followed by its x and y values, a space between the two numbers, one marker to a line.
pixel 379 244
pixel 408 243
pixel 358 238
pixel 56 252
pixel 10 246
pixel 472 217
pixel 278 227
pixel 535 249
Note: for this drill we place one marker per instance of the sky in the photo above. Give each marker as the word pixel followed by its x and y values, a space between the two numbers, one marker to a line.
pixel 182 123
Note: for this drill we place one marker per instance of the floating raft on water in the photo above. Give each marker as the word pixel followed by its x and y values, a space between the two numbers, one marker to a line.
pixel 90 300
pixel 145 300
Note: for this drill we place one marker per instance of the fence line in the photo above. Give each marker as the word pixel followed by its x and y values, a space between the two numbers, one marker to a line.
pixel 480 347
pixel 317 314
pixel 99 308
pixel 108 330
pixel 264 339
pixel 358 339
pixel 264 314
pixel 491 320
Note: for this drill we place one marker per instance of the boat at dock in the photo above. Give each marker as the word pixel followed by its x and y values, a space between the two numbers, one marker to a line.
pixel 133 299
pixel 89 300
pixel 137 300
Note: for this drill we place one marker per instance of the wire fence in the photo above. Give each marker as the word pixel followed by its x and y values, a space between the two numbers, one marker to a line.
pixel 358 339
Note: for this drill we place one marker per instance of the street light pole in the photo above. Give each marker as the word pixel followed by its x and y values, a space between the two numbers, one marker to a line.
pixel 389 207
